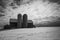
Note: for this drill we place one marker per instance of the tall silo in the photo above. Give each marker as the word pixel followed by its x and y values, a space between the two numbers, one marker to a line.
pixel 19 21
pixel 25 24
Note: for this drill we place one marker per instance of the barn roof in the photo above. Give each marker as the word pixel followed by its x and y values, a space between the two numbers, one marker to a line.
pixel 13 20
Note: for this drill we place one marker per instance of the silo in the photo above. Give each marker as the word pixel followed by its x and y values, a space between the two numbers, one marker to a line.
pixel 19 21
pixel 25 24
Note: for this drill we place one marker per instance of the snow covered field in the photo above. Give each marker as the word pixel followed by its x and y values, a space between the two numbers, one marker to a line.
pixel 41 33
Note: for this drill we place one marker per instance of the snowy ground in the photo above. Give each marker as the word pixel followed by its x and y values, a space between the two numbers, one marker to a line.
pixel 42 33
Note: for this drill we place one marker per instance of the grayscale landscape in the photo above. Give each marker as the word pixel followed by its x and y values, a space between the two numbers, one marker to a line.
pixel 43 15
